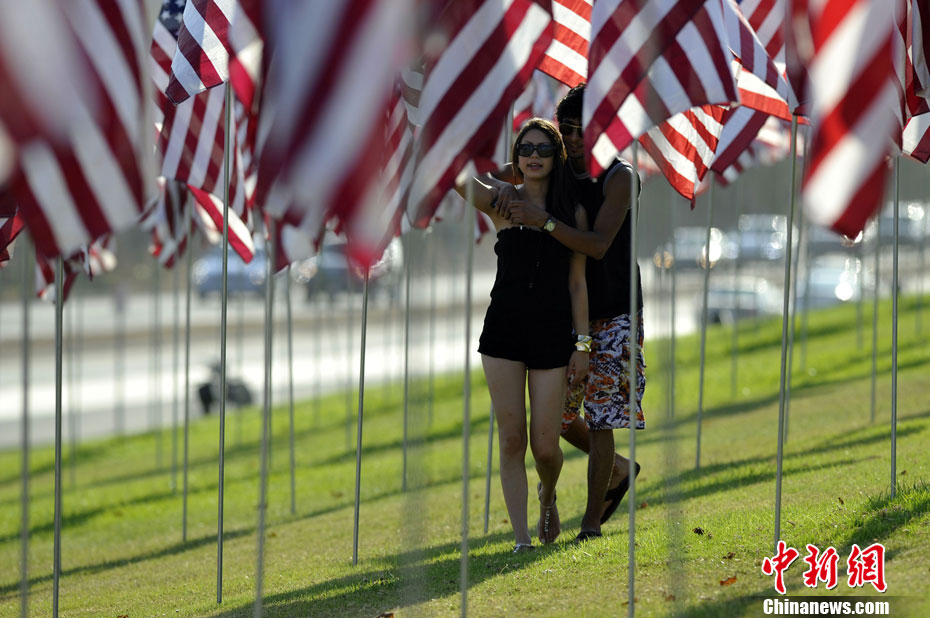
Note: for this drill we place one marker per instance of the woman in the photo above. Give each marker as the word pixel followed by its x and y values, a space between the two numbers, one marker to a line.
pixel 538 296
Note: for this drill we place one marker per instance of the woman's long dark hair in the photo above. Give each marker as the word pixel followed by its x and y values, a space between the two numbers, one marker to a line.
pixel 558 199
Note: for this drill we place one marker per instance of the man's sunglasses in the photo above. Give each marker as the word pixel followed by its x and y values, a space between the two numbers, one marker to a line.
pixel 568 129
pixel 526 149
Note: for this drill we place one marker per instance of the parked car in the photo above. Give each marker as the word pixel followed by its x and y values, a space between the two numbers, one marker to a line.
pixel 330 271
pixel 689 250
pixel 241 278
pixel 834 278
pixel 912 224
pixel 729 301
pixel 761 237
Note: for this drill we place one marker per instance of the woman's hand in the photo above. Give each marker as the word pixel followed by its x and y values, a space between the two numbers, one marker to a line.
pixel 525 213
pixel 577 367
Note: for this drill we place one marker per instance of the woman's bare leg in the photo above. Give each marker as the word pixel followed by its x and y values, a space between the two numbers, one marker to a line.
pixel 547 394
pixel 507 384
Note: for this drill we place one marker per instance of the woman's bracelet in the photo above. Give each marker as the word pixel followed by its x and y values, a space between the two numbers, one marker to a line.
pixel 584 343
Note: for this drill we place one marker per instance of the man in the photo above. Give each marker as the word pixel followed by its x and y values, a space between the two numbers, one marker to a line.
pixel 607 400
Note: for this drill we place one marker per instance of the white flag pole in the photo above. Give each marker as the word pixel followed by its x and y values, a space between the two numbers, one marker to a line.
pixel 361 408
pixel 225 301
pixel 59 309
pixel 28 274
pixel 894 337
pixel 707 266
pixel 466 422
pixel 187 371
pixel 290 386
pixel 784 329
pixel 633 376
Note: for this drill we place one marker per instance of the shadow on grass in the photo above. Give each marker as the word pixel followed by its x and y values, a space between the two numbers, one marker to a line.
pixel 117 563
pixel 408 578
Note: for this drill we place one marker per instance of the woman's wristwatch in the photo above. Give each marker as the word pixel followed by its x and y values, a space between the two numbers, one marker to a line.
pixel 549 225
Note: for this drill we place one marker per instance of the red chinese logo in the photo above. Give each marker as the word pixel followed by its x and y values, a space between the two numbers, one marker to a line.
pixel 867 566
pixel 822 568
pixel 779 563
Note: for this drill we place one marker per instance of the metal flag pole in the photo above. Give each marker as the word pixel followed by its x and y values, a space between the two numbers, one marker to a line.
pixel 860 303
pixel 119 368
pixel 634 373
pixel 432 331
pixel 72 399
pixel 59 310
pixel 290 386
pixel 794 316
pixel 348 349
pixel 734 340
pixel 224 306
pixel 920 280
pixel 878 249
pixel 176 403
pixel 240 358
pixel 156 377
pixel 266 419
pixel 24 503
pixel 894 337
pixel 784 328
pixel 187 374
pixel 707 266
pixel 487 480
pixel 673 270
pixel 466 394
pixel 358 432
pixel 406 355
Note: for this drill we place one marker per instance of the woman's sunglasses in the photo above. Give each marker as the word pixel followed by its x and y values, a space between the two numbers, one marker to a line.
pixel 568 129
pixel 526 149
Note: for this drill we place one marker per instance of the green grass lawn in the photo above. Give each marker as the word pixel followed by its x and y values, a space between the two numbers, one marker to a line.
pixel 123 553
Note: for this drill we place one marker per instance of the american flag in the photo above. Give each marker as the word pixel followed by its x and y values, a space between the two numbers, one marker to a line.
pixel 537 99
pixel 760 81
pixel 916 139
pixel 191 137
pixel 685 63
pixel 218 41
pixel 920 46
pixel 854 111
pixel 11 224
pixel 740 127
pixel 76 107
pixel 93 260
pixel 491 51
pixel 566 58
pixel 771 144
pixel 322 144
pixel 167 219
pixel 683 146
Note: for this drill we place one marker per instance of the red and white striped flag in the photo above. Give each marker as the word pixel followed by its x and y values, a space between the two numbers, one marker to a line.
pixel 771 144
pixel 638 82
pixel 537 99
pixel 76 107
pixel 920 46
pixel 491 51
pixel 683 146
pixel 11 224
pixel 322 112
pixel 218 41
pixel 167 219
pixel 760 81
pixel 916 140
pixel 240 236
pixel 855 104
pixel 566 58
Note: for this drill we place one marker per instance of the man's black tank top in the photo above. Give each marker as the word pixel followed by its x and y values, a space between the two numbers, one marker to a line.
pixel 608 278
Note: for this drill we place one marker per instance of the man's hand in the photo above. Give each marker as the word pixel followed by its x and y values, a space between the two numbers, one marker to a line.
pixel 524 213
pixel 506 196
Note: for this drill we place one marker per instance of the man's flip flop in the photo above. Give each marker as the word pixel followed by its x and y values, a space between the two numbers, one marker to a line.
pixel 585 535
pixel 616 494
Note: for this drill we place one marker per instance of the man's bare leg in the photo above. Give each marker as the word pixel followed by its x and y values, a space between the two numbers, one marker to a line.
pixel 600 465
pixel 577 435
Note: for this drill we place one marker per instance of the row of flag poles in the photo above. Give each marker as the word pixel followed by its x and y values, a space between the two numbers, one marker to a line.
pixel 359 116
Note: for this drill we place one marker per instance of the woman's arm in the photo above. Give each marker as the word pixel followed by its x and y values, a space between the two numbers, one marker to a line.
pixel 578 289
pixel 481 194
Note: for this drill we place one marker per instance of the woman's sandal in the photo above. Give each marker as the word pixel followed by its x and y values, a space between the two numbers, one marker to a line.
pixel 545 519
pixel 523 547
